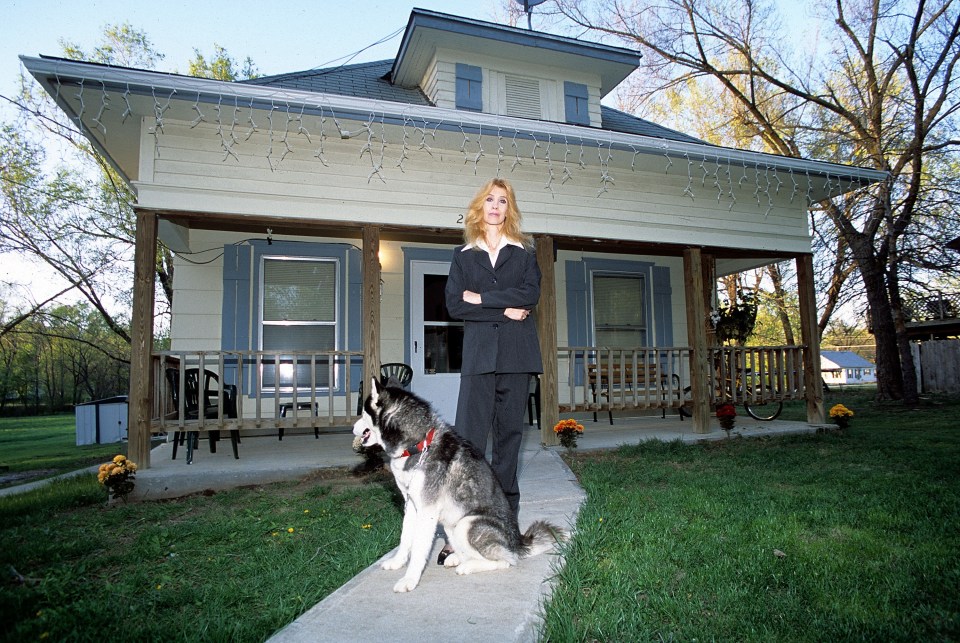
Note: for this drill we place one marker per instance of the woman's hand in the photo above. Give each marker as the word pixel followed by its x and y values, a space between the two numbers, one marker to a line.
pixel 471 297
pixel 516 314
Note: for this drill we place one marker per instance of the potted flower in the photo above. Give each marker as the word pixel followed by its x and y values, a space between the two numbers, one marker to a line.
pixel 117 476
pixel 726 414
pixel 568 431
pixel 841 415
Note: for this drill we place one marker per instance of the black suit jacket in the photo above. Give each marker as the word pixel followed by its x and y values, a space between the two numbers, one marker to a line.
pixel 492 342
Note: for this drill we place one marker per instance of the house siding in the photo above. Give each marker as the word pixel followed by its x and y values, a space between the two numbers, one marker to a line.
pixel 688 206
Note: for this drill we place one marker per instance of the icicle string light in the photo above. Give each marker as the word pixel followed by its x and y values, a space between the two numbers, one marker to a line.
pixel 418 135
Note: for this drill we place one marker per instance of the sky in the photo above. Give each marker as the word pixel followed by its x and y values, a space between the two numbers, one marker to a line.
pixel 278 37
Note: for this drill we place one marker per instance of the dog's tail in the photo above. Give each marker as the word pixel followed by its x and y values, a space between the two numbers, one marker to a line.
pixel 541 537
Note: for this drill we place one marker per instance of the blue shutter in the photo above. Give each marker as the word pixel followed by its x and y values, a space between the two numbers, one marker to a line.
pixel 469 87
pixel 235 320
pixel 576 100
pixel 662 306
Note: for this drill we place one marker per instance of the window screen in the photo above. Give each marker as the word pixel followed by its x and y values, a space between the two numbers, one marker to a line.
pixel 298 313
pixel 618 311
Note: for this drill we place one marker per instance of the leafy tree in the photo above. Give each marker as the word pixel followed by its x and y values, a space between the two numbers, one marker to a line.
pixel 221 66
pixel 883 95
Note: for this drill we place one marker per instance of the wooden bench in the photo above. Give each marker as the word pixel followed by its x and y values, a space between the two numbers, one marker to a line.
pixel 648 384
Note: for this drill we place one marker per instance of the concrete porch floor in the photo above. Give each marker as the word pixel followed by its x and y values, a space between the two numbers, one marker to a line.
pixel 265 459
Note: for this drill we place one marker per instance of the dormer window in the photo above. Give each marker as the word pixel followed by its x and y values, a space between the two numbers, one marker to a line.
pixel 469 87
pixel 576 103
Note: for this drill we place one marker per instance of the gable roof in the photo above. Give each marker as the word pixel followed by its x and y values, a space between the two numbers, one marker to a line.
pixel 845 359
pixel 371 81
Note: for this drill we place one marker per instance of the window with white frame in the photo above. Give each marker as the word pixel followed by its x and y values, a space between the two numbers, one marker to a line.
pixel 298 312
pixel 618 310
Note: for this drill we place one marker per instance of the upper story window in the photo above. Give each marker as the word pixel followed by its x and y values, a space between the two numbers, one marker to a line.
pixel 576 102
pixel 469 87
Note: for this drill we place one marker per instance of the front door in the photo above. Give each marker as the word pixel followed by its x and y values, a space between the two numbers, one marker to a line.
pixel 436 339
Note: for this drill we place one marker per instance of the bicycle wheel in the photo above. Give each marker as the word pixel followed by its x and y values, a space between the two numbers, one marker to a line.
pixel 764 411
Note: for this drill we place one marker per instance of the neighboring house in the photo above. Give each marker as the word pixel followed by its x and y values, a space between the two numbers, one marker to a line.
pixel 846 367
pixel 314 215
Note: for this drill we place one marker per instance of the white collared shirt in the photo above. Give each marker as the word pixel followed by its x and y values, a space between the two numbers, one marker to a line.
pixel 493 254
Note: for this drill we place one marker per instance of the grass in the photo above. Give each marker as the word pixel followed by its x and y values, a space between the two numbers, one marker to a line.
pixel 234 566
pixel 835 536
pixel 33 448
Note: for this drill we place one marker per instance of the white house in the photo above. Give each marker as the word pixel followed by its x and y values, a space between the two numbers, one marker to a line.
pixel 314 216
pixel 846 367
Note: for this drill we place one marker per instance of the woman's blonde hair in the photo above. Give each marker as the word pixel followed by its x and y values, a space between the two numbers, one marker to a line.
pixel 474 229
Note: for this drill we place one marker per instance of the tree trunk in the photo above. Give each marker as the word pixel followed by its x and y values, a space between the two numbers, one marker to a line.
pixel 780 299
pixel 889 373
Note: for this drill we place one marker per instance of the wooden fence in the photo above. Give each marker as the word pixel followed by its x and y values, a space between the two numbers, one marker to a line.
pixel 938 365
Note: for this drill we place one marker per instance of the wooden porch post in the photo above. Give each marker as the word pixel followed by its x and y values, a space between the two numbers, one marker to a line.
pixel 697 338
pixel 547 331
pixel 371 304
pixel 812 383
pixel 141 339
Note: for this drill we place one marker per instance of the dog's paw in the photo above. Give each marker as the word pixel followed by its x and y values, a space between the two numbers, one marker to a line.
pixel 393 563
pixel 481 565
pixel 452 560
pixel 406 584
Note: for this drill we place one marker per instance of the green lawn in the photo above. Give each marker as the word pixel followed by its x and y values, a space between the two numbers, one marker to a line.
pixel 39 447
pixel 835 536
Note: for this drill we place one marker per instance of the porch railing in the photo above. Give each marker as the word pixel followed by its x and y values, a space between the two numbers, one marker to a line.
pixel 254 389
pixel 755 374
pixel 593 378
pixel 599 379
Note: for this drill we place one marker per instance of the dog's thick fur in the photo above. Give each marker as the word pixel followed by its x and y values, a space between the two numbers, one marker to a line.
pixel 447 482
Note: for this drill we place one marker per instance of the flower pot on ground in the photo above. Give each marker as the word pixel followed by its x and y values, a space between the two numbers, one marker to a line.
pixel 568 431
pixel 841 415
pixel 726 414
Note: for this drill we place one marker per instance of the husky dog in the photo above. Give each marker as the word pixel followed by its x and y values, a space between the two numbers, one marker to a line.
pixel 444 480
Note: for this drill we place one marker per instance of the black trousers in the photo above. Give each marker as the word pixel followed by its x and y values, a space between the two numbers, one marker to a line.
pixel 495 403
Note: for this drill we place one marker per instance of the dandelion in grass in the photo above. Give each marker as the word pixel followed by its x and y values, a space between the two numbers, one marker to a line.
pixel 366 526
pixel 118 476
pixel 841 415
pixel 568 431
pixel 290 530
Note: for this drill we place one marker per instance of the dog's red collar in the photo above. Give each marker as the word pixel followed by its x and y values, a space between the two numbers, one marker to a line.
pixel 419 447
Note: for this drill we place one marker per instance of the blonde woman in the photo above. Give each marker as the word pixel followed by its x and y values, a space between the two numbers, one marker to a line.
pixel 493 285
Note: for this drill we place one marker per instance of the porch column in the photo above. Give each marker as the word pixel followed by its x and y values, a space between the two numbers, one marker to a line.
pixel 697 338
pixel 141 339
pixel 371 305
pixel 547 331
pixel 810 337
